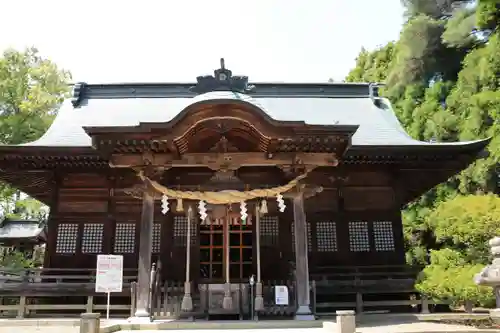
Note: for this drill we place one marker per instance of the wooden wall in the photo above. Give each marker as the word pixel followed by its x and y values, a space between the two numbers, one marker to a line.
pixel 354 221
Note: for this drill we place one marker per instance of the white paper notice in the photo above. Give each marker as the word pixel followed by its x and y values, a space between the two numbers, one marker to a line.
pixel 281 295
pixel 109 274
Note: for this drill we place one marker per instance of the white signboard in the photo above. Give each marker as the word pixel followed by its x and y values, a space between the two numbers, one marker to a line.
pixel 109 274
pixel 281 295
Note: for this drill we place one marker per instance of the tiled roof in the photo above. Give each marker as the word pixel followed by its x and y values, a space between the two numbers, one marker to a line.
pixel 378 126
pixel 20 229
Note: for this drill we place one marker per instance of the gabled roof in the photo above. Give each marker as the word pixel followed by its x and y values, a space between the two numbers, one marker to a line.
pixel 12 231
pixel 343 104
pixel 378 125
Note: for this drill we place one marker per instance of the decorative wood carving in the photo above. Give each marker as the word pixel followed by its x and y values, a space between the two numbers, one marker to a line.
pixel 222 79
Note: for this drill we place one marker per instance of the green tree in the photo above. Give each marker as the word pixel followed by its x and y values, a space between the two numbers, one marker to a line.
pixel 31 90
pixel 443 79
pixel 466 223
pixel 449 277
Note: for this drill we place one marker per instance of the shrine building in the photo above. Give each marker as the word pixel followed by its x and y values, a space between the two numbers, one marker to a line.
pixel 222 179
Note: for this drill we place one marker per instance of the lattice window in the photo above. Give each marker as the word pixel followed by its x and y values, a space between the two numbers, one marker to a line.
pixel 124 238
pixel 326 236
pixel 67 236
pixel 383 236
pixel 269 231
pixel 92 237
pixel 156 238
pixel 309 237
pixel 180 231
pixel 359 241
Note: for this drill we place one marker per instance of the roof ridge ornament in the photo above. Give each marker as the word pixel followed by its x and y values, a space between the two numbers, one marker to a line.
pixel 222 80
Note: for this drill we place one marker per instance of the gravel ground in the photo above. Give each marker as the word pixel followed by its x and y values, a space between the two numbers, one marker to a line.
pixel 417 327
pixel 45 329
pixel 398 328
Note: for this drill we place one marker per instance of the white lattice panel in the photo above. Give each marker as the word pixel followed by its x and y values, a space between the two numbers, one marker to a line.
pixel 156 246
pixel 309 237
pixel 92 237
pixel 180 231
pixel 383 236
pixel 124 238
pixel 359 240
pixel 269 230
pixel 67 237
pixel 326 236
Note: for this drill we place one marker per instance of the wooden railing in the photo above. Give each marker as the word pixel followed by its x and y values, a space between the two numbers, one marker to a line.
pixel 52 290
pixel 41 291
pixel 168 299
pixel 360 288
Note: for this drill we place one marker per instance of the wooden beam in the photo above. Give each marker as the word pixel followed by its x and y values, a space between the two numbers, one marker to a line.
pixel 217 161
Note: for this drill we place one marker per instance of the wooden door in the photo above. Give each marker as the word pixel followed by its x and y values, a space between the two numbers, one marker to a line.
pixel 240 251
pixel 216 238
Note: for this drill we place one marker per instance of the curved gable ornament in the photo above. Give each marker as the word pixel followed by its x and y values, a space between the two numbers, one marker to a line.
pixel 225 129
pixel 227 108
pixel 222 79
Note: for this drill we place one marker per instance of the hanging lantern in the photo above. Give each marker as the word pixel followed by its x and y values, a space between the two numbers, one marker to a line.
pixel 281 203
pixel 179 207
pixel 243 211
pixel 164 204
pixel 202 209
pixel 263 207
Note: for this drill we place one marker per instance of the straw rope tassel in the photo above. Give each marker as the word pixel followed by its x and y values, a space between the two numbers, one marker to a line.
pixel 221 197
pixel 187 300
pixel 227 303
pixel 259 300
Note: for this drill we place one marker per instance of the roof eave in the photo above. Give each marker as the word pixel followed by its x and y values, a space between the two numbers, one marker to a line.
pixel 426 148
pixel 43 150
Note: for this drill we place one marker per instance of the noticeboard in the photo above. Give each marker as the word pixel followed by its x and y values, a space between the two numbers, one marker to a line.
pixel 109 274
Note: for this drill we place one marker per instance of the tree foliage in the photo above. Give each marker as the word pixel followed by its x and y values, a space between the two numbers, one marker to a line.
pixel 443 79
pixel 31 91
pixel 467 223
pixel 449 277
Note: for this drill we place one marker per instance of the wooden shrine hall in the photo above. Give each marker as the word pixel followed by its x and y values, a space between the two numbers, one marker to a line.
pixel 221 179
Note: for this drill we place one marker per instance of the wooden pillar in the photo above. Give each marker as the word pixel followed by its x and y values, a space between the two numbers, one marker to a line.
pixel 145 249
pixel 301 264
pixel 50 246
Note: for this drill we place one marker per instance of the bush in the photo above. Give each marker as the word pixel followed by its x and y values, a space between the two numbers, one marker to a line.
pixel 451 279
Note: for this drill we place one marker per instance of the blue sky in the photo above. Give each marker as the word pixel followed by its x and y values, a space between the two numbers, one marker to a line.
pixel 166 40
